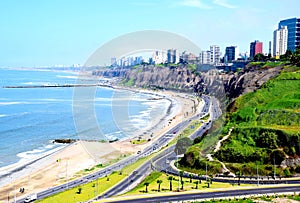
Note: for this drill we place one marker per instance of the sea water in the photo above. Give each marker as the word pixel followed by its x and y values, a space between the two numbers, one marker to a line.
pixel 31 118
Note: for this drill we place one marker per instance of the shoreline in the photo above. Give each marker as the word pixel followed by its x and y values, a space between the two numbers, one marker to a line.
pixel 174 113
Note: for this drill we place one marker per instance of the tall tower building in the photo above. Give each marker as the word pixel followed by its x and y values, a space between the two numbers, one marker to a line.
pixel 215 54
pixel 231 53
pixel 172 56
pixel 280 41
pixel 256 47
pixel 293 27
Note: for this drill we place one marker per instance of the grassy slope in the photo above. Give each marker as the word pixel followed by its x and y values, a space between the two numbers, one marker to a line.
pixel 266 124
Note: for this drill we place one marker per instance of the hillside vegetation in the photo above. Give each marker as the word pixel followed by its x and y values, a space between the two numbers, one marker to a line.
pixel 266 130
pixel 266 123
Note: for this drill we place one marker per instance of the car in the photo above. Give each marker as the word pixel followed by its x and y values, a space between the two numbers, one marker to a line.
pixel 31 198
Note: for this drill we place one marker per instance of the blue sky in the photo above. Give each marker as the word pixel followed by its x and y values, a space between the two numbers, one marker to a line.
pixel 50 32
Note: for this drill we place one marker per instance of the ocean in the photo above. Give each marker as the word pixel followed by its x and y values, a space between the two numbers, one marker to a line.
pixel 31 118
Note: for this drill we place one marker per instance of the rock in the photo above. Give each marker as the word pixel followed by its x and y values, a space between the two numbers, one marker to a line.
pixel 290 162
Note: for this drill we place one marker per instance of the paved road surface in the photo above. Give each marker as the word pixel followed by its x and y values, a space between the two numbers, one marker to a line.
pixel 210 195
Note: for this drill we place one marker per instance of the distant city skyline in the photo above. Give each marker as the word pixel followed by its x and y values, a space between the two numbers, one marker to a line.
pixel 47 33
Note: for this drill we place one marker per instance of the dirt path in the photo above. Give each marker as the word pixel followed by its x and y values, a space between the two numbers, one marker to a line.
pixel 210 158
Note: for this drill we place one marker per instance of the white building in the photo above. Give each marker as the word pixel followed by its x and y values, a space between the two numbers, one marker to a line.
pixel 159 57
pixel 280 41
pixel 204 57
pixel 215 54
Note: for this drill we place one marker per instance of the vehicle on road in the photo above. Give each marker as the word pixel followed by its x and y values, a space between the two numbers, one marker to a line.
pixel 31 197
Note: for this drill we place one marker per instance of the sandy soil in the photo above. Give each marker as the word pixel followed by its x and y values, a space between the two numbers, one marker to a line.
pixel 66 163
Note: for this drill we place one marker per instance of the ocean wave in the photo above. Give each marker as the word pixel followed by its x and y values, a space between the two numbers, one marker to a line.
pixel 3 115
pixel 29 157
pixel 67 76
pixel 30 154
pixel 11 103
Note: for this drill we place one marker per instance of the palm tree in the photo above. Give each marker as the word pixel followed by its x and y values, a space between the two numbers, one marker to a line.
pixel 239 173
pixel 146 184
pixel 211 178
pixel 159 182
pixel 79 190
pixel 190 176
pixel 170 178
pixel 199 175
pixel 208 182
pixel 196 182
pixel 181 175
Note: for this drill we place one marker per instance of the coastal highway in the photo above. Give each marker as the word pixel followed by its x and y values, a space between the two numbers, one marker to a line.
pixel 163 141
pixel 133 178
pixel 155 146
pixel 210 195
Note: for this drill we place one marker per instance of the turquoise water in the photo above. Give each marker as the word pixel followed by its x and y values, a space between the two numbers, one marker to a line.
pixel 30 118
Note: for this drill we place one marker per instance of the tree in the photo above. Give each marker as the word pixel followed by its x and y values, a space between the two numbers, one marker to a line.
pixel 239 173
pixel 267 140
pixel 199 176
pixel 190 176
pixel 159 182
pixel 277 156
pixel 146 184
pixel 181 175
pixel 182 183
pixel 295 58
pixel 208 182
pixel 182 145
pixel 79 190
pixel 196 182
pixel 170 178
pixel 259 57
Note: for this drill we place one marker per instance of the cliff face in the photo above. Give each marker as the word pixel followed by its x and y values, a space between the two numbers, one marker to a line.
pixel 248 80
pixel 175 78
pixel 185 78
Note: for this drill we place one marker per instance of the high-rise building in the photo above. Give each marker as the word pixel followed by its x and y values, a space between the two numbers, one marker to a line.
pixel 270 48
pixel 231 53
pixel 113 61
pixel 172 56
pixel 215 54
pixel 280 41
pixel 293 27
pixel 204 57
pixel 159 57
pixel 256 47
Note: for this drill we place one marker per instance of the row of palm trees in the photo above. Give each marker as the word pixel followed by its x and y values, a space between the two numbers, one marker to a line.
pixel 171 178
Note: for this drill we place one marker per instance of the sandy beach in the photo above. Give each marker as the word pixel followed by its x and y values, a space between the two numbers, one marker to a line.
pixel 69 162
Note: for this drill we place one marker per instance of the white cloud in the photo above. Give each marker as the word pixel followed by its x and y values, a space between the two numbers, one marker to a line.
pixel 194 3
pixel 224 3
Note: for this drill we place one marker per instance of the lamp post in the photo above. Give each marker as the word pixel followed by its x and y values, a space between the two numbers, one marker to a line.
pixel 257 175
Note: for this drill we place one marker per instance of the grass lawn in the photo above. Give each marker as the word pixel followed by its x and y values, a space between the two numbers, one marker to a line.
pixel 165 185
pixel 138 141
pixel 88 191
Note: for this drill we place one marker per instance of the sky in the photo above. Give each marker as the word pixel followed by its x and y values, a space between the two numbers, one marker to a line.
pixel 36 33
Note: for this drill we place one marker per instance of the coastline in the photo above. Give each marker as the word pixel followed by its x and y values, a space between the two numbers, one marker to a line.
pixel 109 151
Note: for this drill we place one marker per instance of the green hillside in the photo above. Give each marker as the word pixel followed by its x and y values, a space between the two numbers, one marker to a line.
pixel 266 129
